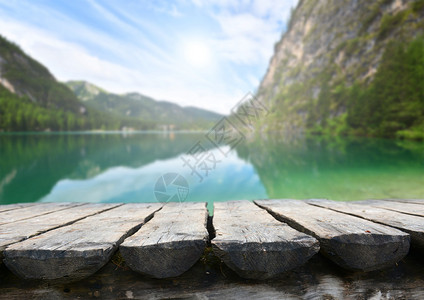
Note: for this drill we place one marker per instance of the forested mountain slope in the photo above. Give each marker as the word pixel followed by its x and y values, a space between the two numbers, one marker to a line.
pixel 348 67
pixel 139 106
pixel 31 99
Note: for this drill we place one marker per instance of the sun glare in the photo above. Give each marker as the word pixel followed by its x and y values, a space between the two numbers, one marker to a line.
pixel 197 54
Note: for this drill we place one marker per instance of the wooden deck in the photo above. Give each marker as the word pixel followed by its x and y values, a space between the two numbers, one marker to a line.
pixel 258 240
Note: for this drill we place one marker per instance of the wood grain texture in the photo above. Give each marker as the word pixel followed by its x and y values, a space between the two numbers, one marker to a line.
pixel 406 208
pixel 15 232
pixel 413 225
pixel 415 201
pixel 8 207
pixel 351 242
pixel 255 245
pixel 80 249
pixel 32 211
pixel 171 243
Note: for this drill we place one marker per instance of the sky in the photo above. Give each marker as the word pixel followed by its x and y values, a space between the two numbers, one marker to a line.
pixel 200 53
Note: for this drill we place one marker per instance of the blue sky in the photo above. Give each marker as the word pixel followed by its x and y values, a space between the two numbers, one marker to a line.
pixel 193 52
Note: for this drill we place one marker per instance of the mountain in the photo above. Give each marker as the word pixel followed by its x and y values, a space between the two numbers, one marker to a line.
pixel 31 99
pixel 25 77
pixel 138 106
pixel 348 67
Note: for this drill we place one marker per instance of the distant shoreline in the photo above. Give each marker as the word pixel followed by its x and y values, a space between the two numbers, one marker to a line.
pixel 99 132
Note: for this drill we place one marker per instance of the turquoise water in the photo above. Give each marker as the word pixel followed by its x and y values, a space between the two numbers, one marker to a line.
pixel 116 167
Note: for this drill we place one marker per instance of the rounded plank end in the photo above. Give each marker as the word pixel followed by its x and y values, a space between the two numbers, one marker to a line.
pixel 53 265
pixel 265 260
pixel 366 252
pixel 163 260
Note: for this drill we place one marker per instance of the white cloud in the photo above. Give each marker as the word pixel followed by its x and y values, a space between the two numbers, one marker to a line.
pixel 249 29
pixel 70 61
pixel 242 45
pixel 172 10
pixel 245 38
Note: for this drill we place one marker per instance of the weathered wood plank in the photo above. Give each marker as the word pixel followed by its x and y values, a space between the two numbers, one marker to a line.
pixel 406 208
pixel 415 201
pixel 80 249
pixel 413 225
pixel 171 243
pixel 351 242
pixel 255 245
pixel 15 232
pixel 7 207
pixel 32 211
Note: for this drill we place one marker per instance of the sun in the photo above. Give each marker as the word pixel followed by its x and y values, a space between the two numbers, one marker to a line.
pixel 197 54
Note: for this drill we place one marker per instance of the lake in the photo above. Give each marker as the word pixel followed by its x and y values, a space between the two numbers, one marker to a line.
pixel 155 166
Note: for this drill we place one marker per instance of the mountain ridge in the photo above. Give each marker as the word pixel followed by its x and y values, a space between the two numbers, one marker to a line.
pixel 136 105
pixel 31 99
pixel 334 49
pixel 26 77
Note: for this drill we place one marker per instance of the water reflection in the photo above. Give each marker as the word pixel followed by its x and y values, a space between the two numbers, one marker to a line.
pixel 123 184
pixel 337 168
pixel 114 168
pixel 124 168
pixel 31 165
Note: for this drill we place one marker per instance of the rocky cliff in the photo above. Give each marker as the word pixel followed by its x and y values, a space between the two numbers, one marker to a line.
pixel 25 77
pixel 332 47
